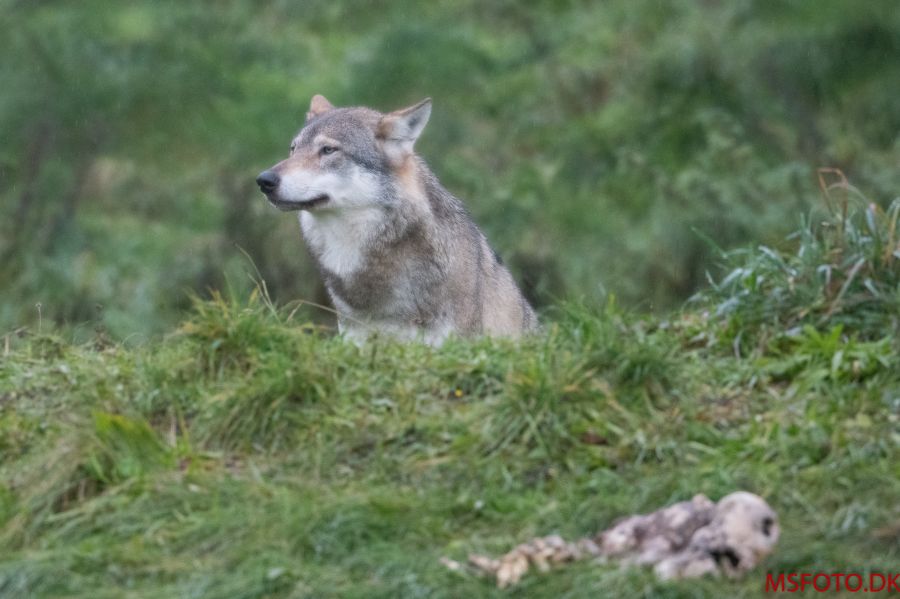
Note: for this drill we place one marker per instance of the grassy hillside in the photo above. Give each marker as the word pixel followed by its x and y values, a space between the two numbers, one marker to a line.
pixel 249 455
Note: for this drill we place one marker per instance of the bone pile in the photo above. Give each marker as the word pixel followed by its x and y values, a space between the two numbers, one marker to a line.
pixel 685 540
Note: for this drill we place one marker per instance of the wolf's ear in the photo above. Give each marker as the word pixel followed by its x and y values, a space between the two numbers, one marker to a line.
pixel 400 129
pixel 317 106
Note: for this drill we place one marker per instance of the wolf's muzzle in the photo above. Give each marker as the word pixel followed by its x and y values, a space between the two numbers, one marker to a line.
pixel 268 181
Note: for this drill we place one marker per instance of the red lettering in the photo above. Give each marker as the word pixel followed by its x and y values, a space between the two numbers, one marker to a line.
pixel 859 583
pixel 792 582
pixel 772 585
pixel 816 584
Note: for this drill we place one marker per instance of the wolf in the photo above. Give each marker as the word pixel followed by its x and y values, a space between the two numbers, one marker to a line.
pixel 399 254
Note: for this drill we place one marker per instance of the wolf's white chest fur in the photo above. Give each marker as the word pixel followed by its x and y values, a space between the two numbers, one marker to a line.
pixel 339 240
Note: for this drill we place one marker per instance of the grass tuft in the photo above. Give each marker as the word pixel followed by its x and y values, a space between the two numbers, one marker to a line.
pixel 842 268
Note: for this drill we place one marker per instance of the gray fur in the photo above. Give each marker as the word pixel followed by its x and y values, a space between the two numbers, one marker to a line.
pixel 407 259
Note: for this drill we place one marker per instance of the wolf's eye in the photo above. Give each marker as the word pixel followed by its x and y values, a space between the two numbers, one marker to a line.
pixel 293 148
pixel 328 150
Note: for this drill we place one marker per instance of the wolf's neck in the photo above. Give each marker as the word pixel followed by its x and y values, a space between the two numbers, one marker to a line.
pixel 344 241
pixel 339 241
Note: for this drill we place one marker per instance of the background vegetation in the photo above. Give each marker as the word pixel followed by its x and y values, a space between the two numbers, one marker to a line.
pixel 155 445
pixel 591 140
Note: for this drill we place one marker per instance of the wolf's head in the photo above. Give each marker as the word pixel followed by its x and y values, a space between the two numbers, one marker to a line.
pixel 344 157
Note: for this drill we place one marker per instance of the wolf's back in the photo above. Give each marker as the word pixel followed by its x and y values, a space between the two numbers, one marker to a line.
pixel 481 292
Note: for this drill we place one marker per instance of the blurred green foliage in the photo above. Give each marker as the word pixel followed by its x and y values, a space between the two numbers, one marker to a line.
pixel 591 140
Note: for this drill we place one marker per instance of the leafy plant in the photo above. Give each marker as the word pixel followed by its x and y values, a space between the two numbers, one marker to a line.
pixel 842 268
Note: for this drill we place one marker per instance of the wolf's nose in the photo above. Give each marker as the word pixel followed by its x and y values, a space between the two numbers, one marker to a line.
pixel 268 181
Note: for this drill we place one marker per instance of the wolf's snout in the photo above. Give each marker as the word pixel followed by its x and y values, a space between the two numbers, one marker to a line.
pixel 268 181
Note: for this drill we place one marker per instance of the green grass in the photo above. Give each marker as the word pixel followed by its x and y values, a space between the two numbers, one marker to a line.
pixel 249 455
